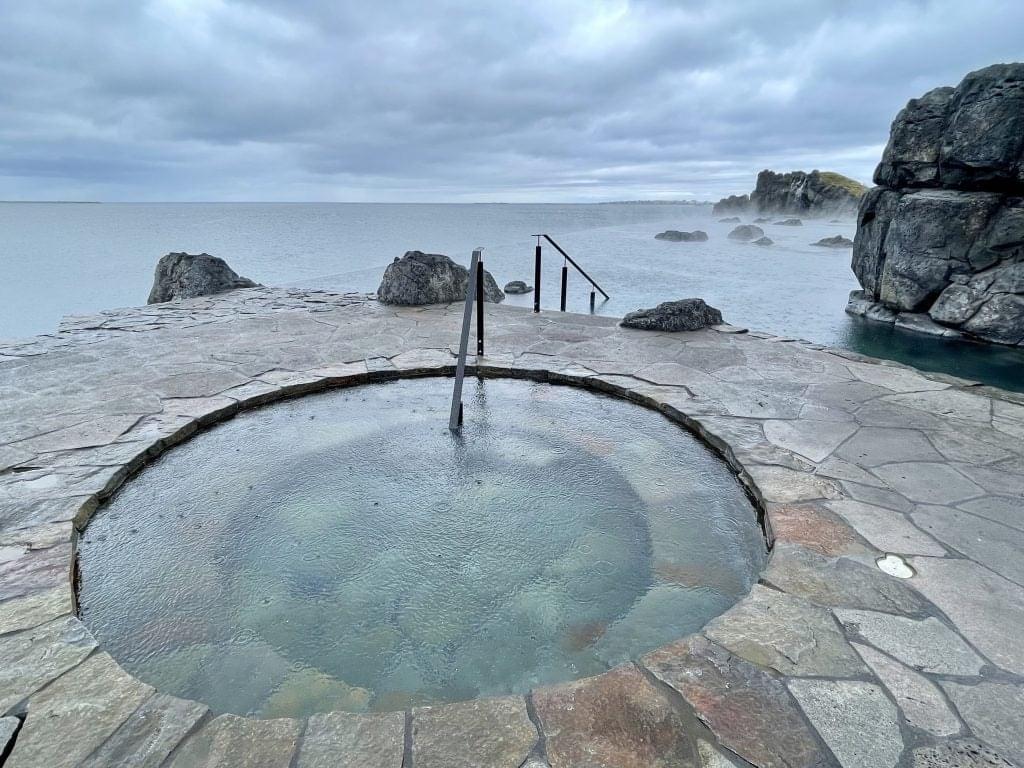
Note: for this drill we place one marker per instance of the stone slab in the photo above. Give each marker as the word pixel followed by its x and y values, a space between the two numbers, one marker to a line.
pixel 230 741
pixel 34 609
pixel 995 713
pixel 34 657
pixel 344 740
pixel 961 753
pixel 473 734
pixel 886 529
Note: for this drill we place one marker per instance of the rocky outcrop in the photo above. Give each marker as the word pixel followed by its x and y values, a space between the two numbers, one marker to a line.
pixel 187 275
pixel 430 278
pixel 675 236
pixel 683 315
pixel 818 193
pixel 836 241
pixel 517 286
pixel 746 232
pixel 764 241
pixel 941 239
pixel 789 223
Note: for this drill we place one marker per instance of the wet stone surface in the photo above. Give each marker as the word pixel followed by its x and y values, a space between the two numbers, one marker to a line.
pixel 852 457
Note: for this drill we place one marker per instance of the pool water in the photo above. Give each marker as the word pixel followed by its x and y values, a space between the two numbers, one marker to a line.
pixel 345 551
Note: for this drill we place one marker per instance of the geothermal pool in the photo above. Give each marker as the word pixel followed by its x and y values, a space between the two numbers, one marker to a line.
pixel 345 551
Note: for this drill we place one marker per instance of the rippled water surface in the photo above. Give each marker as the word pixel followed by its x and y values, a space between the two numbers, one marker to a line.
pixel 346 551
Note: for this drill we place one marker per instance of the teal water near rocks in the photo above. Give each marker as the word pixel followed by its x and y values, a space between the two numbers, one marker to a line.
pixel 346 551
pixel 66 259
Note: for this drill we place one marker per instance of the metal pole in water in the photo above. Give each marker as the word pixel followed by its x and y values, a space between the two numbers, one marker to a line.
pixel 455 418
pixel 536 277
pixel 480 308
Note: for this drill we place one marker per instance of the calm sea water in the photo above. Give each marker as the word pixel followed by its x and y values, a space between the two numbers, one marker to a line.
pixel 66 259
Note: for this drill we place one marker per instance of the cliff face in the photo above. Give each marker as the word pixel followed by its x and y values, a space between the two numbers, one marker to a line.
pixel 797 193
pixel 940 241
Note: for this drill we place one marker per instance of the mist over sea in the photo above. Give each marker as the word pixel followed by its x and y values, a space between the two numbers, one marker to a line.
pixel 63 259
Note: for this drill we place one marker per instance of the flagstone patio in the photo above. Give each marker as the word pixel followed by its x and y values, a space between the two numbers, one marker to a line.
pixel 828 661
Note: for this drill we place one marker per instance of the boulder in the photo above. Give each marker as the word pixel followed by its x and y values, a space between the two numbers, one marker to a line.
pixel 729 220
pixel 764 241
pixel 761 220
pixel 675 236
pixel 746 232
pixel 789 223
pixel 818 193
pixel 683 315
pixel 517 286
pixel 836 241
pixel 430 278
pixel 942 236
pixel 187 275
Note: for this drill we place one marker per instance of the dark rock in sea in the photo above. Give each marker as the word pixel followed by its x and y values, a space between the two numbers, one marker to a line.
pixel 761 220
pixel 729 220
pixel 764 241
pixel 187 275
pixel 675 236
pixel 683 315
pixel 836 241
pixel 818 193
pixel 517 286
pixel 942 237
pixel 731 204
pixel 746 232
pixel 789 223
pixel 430 278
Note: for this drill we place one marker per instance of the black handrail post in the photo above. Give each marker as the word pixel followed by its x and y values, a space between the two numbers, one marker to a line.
pixel 536 277
pixel 593 298
pixel 565 283
pixel 479 309
pixel 579 269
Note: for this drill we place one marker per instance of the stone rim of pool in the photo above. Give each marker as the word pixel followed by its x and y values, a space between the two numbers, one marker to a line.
pixel 673 419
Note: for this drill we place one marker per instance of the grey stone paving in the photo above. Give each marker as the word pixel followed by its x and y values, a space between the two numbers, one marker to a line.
pixel 829 661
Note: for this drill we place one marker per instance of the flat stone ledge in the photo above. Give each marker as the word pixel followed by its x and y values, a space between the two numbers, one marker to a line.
pixel 847 457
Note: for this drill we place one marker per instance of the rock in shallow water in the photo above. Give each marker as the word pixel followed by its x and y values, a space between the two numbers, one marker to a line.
pixel 675 236
pixel 187 275
pixel 764 241
pixel 836 241
pixel 683 315
pixel 430 278
pixel 517 286
pixel 746 232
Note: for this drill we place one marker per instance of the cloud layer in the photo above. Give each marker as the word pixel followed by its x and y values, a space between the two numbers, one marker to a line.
pixel 465 100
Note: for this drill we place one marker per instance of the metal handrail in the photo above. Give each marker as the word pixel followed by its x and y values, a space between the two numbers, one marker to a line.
pixel 474 285
pixel 569 259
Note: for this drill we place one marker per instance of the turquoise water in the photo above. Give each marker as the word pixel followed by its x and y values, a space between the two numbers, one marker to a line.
pixel 346 551
pixel 62 259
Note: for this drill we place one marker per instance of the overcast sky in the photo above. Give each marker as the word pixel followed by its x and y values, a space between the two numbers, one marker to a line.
pixel 465 100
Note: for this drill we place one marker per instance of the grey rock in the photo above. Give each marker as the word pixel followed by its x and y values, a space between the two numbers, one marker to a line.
pixel 856 719
pixel 34 609
pixel 961 753
pixel 730 220
pixel 491 732
pixel 927 645
pixel 761 220
pixel 789 223
pixel 764 241
pixel 430 278
pixel 731 204
pixel 517 286
pixel 34 657
pixel 746 232
pixel 922 704
pixel 187 275
pixel 675 236
pixel 911 158
pixel 995 713
pixel 836 241
pixel 817 193
pixel 682 315
pixel 921 323
pixel 344 740
pixel 228 741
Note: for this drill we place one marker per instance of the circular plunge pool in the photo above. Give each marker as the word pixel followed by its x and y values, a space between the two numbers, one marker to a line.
pixel 345 551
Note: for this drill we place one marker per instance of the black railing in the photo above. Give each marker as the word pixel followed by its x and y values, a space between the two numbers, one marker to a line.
pixel 565 276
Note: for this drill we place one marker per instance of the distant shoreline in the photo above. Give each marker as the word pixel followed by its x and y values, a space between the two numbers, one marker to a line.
pixel 51 202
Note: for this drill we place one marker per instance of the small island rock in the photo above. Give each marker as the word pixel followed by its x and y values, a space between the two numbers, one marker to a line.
pixel 675 236
pixel 188 275
pixel 517 286
pixel 789 223
pixel 746 232
pixel 683 315
pixel 764 241
pixel 836 241
pixel 430 278
pixel 729 220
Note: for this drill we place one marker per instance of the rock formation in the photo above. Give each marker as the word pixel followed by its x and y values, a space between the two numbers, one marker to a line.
pixel 764 241
pixel 517 286
pixel 942 236
pixel 746 232
pixel 789 223
pixel 187 275
pixel 675 236
pixel 836 241
pixel 818 193
pixel 430 278
pixel 683 315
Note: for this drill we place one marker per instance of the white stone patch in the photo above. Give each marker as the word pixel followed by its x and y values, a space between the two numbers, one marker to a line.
pixel 894 565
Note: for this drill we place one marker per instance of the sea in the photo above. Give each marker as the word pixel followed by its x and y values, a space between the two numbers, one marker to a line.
pixel 73 258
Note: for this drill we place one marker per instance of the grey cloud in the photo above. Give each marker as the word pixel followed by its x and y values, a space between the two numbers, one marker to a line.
pixel 462 100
